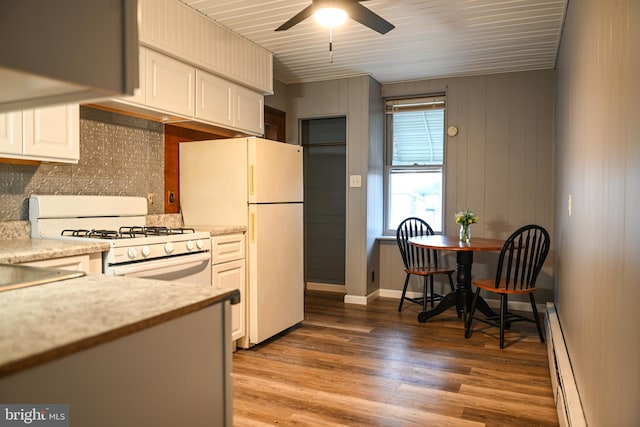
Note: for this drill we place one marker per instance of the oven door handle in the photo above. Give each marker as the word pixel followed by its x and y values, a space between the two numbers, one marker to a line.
pixel 167 262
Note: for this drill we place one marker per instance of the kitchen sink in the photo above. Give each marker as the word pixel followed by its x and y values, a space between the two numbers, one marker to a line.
pixel 13 276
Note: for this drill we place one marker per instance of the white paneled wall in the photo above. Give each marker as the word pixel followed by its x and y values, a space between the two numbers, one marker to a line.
pixel 500 164
pixel 598 164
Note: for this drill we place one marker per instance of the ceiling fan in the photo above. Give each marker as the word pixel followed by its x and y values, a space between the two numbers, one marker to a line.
pixel 353 9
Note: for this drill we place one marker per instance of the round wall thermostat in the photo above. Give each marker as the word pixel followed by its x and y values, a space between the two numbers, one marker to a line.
pixel 452 131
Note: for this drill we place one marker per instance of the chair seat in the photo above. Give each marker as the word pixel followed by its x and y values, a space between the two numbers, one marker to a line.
pixel 428 271
pixel 490 285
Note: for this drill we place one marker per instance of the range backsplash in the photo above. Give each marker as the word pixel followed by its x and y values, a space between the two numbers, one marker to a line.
pixel 119 155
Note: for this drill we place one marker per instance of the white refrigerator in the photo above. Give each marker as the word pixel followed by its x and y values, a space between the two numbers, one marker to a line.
pixel 256 183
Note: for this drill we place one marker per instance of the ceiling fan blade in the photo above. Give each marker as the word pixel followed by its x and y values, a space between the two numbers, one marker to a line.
pixel 366 17
pixel 301 16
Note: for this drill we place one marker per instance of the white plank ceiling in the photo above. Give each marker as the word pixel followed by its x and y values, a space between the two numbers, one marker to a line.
pixel 432 38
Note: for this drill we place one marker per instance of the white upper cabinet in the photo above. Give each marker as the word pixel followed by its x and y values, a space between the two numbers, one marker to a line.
pixel 176 29
pixel 11 133
pixel 215 98
pixel 172 90
pixel 226 104
pixel 170 84
pixel 47 134
pixel 249 110
pixel 192 69
pixel 139 94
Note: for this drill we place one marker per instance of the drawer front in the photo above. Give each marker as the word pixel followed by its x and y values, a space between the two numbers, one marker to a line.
pixel 227 248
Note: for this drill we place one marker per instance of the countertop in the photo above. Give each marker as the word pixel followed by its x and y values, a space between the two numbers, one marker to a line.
pixel 46 322
pixel 16 251
pixel 217 230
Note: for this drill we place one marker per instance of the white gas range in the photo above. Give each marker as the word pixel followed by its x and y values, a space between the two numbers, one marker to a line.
pixel 179 254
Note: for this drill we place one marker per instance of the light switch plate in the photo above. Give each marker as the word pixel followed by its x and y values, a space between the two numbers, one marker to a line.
pixel 355 180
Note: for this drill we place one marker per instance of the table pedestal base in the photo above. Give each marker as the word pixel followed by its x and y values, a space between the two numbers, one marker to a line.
pixel 462 297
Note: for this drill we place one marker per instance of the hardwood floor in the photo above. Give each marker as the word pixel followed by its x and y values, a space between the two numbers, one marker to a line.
pixel 372 366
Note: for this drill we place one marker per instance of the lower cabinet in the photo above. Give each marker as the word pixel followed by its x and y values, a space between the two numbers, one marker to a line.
pixel 89 263
pixel 176 373
pixel 229 271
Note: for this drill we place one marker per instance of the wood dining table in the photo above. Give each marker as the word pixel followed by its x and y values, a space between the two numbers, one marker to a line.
pixel 462 296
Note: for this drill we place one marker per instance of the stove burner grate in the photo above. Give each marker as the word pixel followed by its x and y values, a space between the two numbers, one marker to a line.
pixel 128 232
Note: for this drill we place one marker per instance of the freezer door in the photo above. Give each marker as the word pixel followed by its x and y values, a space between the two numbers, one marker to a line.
pixel 275 171
pixel 276 271
pixel 213 182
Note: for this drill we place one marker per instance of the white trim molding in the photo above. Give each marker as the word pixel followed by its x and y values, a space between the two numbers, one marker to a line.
pixel 565 390
pixel 326 287
pixel 493 303
pixel 361 300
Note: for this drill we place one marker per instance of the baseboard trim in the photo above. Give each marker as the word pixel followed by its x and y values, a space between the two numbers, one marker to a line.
pixel 565 390
pixel 493 303
pixel 326 287
pixel 396 294
pixel 361 300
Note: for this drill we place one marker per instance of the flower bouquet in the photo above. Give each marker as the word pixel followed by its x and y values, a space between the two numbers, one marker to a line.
pixel 465 218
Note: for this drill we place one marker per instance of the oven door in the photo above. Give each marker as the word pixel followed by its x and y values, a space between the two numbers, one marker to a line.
pixel 195 268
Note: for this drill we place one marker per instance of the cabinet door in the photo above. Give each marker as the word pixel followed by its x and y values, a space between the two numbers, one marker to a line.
pixel 11 133
pixel 139 94
pixel 52 132
pixel 232 275
pixel 249 110
pixel 214 99
pixel 170 84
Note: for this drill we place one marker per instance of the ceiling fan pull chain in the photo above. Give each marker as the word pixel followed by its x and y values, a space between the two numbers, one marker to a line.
pixel 330 45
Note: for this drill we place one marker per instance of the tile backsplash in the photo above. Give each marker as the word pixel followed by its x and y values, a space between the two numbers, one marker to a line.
pixel 119 155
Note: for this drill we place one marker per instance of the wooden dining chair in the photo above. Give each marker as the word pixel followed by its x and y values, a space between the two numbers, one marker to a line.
pixel 519 265
pixel 420 262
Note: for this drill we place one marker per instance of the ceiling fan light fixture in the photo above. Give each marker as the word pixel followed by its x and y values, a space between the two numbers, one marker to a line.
pixel 330 16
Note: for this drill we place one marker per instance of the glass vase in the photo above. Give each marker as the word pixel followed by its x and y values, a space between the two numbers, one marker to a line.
pixel 465 233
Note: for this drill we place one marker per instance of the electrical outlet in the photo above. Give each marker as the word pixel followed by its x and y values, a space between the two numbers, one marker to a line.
pixel 355 180
pixel 150 198
pixel 171 197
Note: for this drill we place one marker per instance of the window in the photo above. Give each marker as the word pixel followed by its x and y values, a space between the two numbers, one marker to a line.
pixel 415 161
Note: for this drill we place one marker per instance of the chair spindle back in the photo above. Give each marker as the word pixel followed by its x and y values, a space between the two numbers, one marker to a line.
pixel 522 257
pixel 412 256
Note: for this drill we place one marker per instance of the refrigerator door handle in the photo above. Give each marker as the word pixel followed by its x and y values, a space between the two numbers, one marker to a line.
pixel 252 234
pixel 252 188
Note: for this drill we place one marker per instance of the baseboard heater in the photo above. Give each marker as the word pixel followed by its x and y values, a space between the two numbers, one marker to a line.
pixel 565 392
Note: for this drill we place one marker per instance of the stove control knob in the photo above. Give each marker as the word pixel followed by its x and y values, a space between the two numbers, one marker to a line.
pixel 200 244
pixel 146 251
pixel 132 253
pixel 169 248
pixel 189 245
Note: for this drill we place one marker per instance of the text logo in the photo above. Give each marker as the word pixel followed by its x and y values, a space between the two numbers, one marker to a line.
pixel 34 415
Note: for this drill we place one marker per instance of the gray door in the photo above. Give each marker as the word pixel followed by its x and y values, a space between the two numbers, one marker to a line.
pixel 324 142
